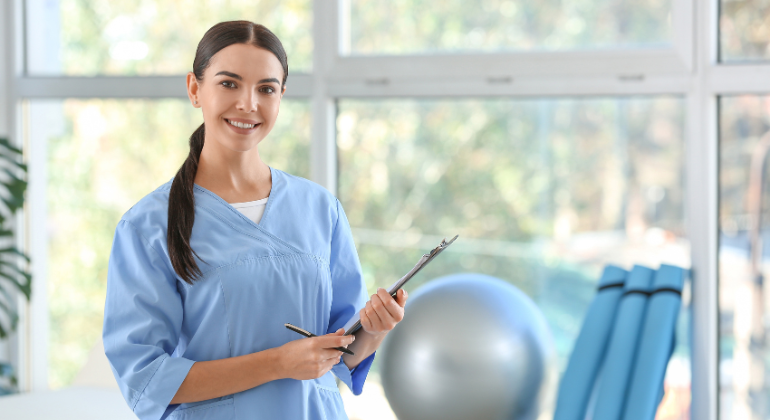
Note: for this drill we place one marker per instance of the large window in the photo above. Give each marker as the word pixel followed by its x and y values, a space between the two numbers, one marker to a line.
pixel 543 193
pixel 744 255
pixel 555 137
pixel 744 30
pixel 431 26
pixel 143 37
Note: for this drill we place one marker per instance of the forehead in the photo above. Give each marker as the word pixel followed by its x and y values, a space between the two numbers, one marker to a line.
pixel 247 61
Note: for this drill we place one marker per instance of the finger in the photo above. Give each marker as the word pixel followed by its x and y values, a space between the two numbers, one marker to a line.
pixel 401 297
pixel 333 361
pixel 389 304
pixel 340 332
pixel 328 354
pixel 366 323
pixel 381 309
pixel 334 340
pixel 374 318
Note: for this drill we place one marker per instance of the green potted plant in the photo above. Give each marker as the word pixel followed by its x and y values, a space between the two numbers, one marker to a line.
pixel 14 272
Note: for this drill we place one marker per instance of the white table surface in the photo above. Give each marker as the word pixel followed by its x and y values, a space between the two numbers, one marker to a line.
pixel 73 403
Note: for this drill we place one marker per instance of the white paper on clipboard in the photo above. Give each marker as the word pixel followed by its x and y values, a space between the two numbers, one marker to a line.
pixel 355 322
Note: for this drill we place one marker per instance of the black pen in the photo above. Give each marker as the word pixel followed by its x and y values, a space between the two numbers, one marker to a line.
pixel 309 334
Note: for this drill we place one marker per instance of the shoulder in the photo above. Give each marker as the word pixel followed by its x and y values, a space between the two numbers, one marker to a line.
pixel 151 211
pixel 306 190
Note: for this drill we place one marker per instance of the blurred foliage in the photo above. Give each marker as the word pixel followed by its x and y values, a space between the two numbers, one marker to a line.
pixel 112 153
pixel 743 120
pixel 744 30
pixel 411 26
pixel 543 193
pixel 13 270
pixel 13 263
pixel 160 37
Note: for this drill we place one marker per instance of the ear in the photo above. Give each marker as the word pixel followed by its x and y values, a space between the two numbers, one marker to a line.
pixel 283 90
pixel 192 89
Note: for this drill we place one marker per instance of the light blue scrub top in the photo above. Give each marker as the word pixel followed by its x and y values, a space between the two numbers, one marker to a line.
pixel 298 265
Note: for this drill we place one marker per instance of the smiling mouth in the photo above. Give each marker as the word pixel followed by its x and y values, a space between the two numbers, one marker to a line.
pixel 241 125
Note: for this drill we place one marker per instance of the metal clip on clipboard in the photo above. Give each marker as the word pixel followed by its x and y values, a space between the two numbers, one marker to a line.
pixel 355 322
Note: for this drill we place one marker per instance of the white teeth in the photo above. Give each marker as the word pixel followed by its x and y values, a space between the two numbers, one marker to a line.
pixel 241 125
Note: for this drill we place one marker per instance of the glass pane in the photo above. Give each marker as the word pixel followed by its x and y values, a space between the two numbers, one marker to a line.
pixel 744 30
pixel 103 156
pixel 407 26
pixel 744 349
pixel 86 37
pixel 543 194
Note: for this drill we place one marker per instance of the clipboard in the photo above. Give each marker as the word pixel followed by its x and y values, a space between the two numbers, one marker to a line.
pixel 355 322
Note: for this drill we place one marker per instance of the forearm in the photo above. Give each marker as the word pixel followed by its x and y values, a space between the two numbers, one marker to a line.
pixel 217 378
pixel 363 347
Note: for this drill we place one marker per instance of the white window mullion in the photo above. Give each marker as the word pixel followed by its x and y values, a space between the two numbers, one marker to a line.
pixel 736 79
pixel 683 29
pixel 701 212
pixel 460 67
pixel 702 216
pixel 506 86
pixel 323 150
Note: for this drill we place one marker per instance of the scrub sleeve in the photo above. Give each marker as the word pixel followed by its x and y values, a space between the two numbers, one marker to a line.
pixel 348 296
pixel 142 323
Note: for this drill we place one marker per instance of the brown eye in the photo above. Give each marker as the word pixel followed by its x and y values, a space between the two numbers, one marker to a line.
pixel 228 84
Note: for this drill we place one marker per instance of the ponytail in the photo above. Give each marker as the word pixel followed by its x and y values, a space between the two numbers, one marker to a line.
pixel 181 212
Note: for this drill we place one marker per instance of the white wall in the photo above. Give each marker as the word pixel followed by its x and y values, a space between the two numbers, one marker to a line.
pixel 5 57
pixel 4 120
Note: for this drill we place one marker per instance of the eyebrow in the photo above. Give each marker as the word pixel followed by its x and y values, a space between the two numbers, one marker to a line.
pixel 235 76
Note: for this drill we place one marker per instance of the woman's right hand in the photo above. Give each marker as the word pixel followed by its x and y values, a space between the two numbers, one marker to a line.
pixel 311 358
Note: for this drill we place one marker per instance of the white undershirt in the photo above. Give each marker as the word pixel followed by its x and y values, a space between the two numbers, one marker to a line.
pixel 253 209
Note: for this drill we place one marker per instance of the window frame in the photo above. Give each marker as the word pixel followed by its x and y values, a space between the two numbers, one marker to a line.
pixel 689 67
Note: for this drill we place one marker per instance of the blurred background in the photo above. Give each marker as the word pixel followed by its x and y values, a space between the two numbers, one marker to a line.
pixel 554 137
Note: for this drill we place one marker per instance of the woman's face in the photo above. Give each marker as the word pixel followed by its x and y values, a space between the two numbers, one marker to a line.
pixel 240 95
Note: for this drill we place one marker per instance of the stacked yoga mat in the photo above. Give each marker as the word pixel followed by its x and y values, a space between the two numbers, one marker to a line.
pixel 617 367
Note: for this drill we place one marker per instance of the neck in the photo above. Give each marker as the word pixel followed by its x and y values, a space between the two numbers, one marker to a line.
pixel 233 175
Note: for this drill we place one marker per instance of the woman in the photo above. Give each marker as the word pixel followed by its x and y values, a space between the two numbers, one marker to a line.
pixel 198 291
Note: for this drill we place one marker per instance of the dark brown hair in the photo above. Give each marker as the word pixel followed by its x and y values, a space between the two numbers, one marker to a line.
pixel 181 201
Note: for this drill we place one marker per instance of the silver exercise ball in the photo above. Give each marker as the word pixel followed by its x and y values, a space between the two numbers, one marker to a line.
pixel 470 346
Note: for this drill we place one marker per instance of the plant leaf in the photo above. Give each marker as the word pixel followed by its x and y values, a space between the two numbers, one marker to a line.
pixel 15 185
pixel 13 316
pixel 24 288
pixel 14 162
pixel 7 144
pixel 14 250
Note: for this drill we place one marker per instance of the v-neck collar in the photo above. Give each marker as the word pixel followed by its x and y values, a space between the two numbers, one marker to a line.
pixel 233 212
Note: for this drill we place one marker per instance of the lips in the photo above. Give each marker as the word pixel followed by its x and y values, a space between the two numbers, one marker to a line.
pixel 241 123
pixel 242 126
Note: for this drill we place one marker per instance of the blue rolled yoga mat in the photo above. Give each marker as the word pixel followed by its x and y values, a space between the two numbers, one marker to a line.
pixel 621 353
pixel 657 341
pixel 590 347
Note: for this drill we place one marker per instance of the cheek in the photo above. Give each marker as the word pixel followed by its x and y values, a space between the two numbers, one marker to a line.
pixel 213 109
pixel 270 108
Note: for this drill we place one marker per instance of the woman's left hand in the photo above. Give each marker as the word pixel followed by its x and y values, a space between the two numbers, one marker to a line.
pixel 382 312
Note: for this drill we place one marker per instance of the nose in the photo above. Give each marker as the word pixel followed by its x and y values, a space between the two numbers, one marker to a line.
pixel 248 101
